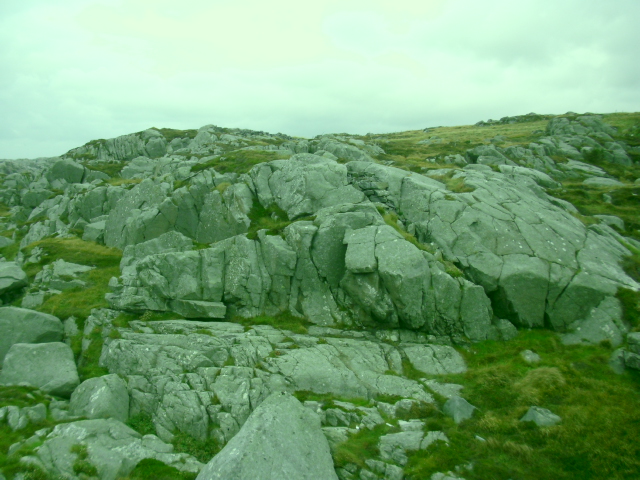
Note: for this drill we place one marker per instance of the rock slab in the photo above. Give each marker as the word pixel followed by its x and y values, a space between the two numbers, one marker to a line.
pixel 19 325
pixel 47 366
pixel 281 439
pixel 101 397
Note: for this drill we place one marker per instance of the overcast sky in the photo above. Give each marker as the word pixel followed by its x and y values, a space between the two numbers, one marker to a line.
pixel 76 70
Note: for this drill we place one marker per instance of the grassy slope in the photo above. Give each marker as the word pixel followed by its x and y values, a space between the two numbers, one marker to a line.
pixel 600 411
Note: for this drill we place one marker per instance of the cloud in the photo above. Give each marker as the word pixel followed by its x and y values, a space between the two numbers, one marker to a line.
pixel 76 70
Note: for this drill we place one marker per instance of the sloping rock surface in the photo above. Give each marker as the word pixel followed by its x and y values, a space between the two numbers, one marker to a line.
pixel 281 439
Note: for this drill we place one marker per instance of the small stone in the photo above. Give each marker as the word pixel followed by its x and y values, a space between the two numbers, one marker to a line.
pixel 458 409
pixel 541 417
pixel 530 357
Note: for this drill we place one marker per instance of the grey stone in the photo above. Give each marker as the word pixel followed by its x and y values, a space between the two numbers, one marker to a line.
pixel 67 171
pixel 633 339
pixel 602 182
pixel 612 221
pixel 447 390
pixel 48 366
pixel 198 308
pixel 5 241
pixel 394 446
pixel 281 439
pixel 11 277
pixel 632 360
pixel 303 184
pixel 506 329
pixel 19 325
pixel 434 359
pixel 530 357
pixel 385 470
pixel 112 448
pixel 541 417
pixel 101 397
pixel 458 409
pixel 94 232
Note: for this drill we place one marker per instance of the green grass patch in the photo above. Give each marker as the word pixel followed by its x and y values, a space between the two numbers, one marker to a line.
pixel 21 396
pixel 88 363
pixel 110 168
pixel 589 201
pixel 142 423
pixel 360 447
pixel 272 219
pixel 600 415
pixel 238 161
pixel 118 181
pixel 171 133
pixel 76 250
pixel 284 321
pixel 79 302
pixel 155 469
pixel 204 451
pixel 391 219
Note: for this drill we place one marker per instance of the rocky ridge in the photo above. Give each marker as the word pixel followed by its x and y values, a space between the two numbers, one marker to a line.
pixel 390 269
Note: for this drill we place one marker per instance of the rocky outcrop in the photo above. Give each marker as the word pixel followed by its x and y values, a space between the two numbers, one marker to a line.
pixel 280 439
pixel 538 263
pixel 205 378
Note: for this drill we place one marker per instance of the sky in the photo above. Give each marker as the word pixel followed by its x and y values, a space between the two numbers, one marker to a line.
pixel 76 70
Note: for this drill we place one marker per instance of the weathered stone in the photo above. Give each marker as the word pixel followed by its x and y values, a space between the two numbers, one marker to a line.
pixel 11 277
pixel 530 357
pixel 48 366
pixel 458 409
pixel 19 325
pixel 434 359
pixel 66 171
pixel 280 439
pixel 633 339
pixel 101 397
pixel 541 417
pixel 632 360
pixel 111 447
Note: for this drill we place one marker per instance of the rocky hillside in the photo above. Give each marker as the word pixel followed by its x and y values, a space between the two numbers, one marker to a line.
pixel 447 303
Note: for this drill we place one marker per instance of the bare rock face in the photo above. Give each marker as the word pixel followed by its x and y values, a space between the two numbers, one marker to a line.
pixel 281 439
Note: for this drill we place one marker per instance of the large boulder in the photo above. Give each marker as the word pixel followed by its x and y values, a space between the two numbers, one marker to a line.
pixel 47 366
pixel 19 325
pixel 65 171
pixel 101 397
pixel 303 184
pixel 11 277
pixel 281 439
